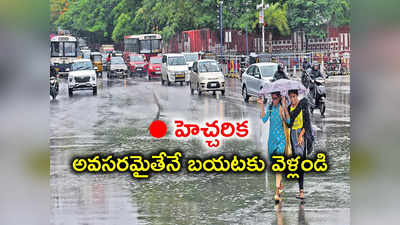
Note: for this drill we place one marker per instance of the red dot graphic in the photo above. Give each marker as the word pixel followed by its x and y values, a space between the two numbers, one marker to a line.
pixel 158 129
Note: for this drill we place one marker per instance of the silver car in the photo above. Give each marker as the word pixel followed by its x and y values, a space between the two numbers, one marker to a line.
pixel 206 76
pixel 117 67
pixel 255 77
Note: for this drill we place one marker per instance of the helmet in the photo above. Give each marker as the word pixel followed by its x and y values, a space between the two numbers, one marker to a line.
pixel 280 67
pixel 315 64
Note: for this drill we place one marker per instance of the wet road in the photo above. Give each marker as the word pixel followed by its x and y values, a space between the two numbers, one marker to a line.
pixel 116 121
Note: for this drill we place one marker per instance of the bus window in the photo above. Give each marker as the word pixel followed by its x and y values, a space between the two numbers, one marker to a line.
pixel 57 49
pixel 131 45
pixel 70 49
pixel 155 45
pixel 145 46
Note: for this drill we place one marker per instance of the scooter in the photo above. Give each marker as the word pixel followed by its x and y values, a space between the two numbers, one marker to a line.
pixel 53 87
pixel 317 94
pixel 320 95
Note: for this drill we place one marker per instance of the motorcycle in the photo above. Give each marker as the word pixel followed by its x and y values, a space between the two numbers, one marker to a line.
pixel 317 94
pixel 53 87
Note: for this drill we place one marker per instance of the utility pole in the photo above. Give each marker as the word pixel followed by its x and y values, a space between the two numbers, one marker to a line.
pixel 247 39
pixel 261 20
pixel 220 26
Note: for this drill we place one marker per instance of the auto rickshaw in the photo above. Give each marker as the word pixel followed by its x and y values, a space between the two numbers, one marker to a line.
pixel 96 59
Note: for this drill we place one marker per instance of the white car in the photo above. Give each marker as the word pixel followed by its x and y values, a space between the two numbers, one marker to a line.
pixel 255 77
pixel 174 69
pixel 82 76
pixel 206 76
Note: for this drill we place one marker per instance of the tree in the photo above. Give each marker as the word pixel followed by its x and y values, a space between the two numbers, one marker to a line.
pixel 311 16
pixel 110 20
pixel 308 16
pixel 92 18
pixel 275 16
pixel 339 12
pixel 57 8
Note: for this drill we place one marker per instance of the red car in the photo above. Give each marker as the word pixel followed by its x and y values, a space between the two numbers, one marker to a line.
pixel 154 67
pixel 137 64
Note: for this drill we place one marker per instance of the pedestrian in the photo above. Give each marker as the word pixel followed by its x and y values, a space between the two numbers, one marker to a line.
pixel 108 57
pixel 300 124
pixel 277 112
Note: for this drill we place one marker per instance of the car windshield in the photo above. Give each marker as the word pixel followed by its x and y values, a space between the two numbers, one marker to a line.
pixel 155 60
pixel 83 65
pixel 208 66
pixel 117 60
pixel 136 58
pixel 176 60
pixel 191 57
pixel 268 71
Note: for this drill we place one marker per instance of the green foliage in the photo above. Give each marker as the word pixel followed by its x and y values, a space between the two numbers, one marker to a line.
pixel 110 20
pixel 311 15
pixel 275 16
pixel 339 12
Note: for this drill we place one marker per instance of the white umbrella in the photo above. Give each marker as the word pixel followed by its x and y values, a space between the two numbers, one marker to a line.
pixel 283 86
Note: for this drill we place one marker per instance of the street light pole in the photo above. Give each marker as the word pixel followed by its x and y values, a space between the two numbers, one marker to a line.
pixel 247 39
pixel 263 41
pixel 261 20
pixel 220 27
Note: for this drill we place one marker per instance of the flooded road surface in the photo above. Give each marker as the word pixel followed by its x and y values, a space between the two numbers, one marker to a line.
pixel 117 120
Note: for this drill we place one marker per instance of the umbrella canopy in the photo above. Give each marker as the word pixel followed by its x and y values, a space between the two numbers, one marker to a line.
pixel 283 86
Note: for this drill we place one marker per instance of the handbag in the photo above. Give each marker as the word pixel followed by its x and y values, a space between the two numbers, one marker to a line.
pixel 286 131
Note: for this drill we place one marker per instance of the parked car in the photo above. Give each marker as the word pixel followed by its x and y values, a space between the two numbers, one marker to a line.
pixel 136 64
pixel 206 76
pixel 82 76
pixel 154 67
pixel 174 69
pixel 254 78
pixel 116 67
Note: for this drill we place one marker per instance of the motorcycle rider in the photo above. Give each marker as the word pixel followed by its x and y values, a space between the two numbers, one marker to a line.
pixel 53 76
pixel 315 71
pixel 308 79
pixel 306 65
pixel 280 74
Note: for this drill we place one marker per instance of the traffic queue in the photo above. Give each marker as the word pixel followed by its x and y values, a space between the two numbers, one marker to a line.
pixel 142 57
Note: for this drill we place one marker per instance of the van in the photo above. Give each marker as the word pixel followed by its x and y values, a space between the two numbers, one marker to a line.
pixel 174 69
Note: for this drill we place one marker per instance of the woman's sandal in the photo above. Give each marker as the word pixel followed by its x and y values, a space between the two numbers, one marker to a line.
pixel 277 199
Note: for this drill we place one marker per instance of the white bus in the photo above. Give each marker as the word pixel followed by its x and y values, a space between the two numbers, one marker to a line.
pixel 63 51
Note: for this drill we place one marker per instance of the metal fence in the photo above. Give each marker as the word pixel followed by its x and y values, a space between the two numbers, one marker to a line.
pixel 332 63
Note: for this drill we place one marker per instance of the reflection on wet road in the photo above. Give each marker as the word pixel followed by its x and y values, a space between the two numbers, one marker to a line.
pixel 116 121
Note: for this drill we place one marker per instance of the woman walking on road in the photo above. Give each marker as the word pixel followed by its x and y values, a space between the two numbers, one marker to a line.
pixel 300 124
pixel 277 113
